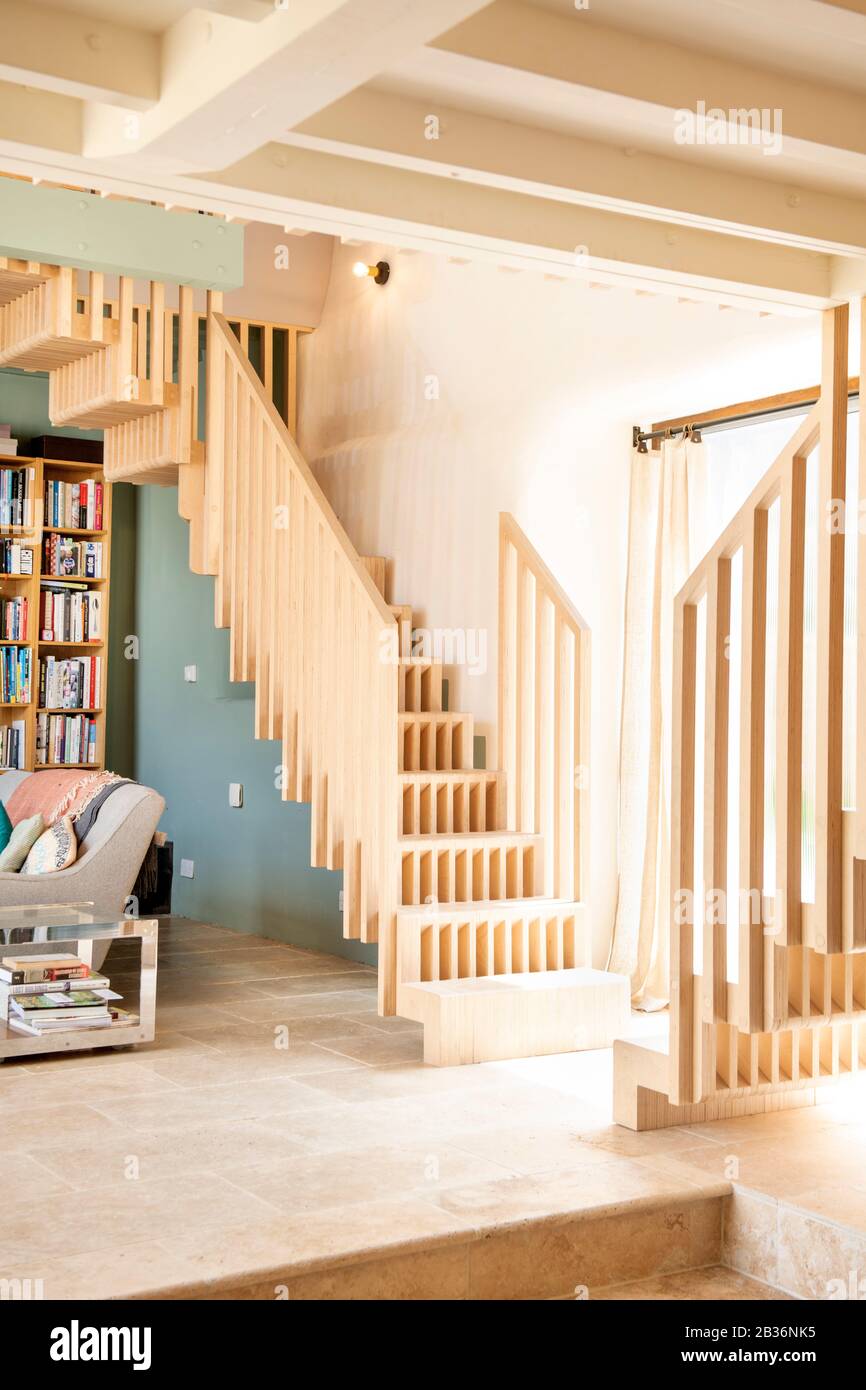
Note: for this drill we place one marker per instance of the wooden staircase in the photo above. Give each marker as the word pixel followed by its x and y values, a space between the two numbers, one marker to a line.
pixel 466 878
pixel 768 993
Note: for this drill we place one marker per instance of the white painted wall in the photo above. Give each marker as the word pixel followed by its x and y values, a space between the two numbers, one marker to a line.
pixel 539 383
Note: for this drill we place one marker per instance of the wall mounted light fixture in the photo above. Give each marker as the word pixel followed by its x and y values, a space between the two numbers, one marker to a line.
pixel 378 272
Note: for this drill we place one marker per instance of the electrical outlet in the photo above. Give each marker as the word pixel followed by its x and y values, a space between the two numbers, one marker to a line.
pixel 190 673
pixel 187 868
pixel 236 794
pixel 341 900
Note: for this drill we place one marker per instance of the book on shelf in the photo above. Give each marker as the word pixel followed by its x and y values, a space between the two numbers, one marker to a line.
pixel 78 505
pixel 15 558
pixel 16 664
pixel 15 497
pixel 70 614
pixel 69 996
pixel 65 556
pixel 54 967
pixel 56 1006
pixel 39 986
pixel 13 741
pixel 13 619
pixel 73 683
pixel 66 739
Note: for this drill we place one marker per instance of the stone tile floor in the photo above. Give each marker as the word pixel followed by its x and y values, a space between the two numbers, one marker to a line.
pixel 278 1120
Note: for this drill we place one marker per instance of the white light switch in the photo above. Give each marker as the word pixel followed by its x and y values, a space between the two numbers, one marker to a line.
pixel 187 868
pixel 190 673
pixel 341 900
pixel 236 794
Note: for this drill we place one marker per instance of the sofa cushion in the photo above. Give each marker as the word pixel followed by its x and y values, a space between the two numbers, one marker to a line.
pixel 55 849
pixel 21 841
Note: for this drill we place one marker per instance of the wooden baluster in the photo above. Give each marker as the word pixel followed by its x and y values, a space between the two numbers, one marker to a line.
pixel 830 632
pixel 750 998
pixel 859 866
pixel 684 1030
pixel 508 675
pixel 713 1004
pixel 125 386
pixel 157 326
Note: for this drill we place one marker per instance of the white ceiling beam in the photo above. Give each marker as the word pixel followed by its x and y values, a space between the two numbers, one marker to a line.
pixel 227 87
pixel 593 241
pixel 338 197
pixel 45 119
pixel 380 126
pixel 580 50
pixel 77 56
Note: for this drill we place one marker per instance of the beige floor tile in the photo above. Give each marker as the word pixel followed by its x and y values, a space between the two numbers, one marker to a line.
pixel 206 1148
pixel 613 1187
pixel 132 1211
pixel 210 1104
pixel 339 1233
pixel 321 1181
pixel 123 1271
pixel 378 1048
pixel 31 1124
pixel 712 1285
pixel 531 1149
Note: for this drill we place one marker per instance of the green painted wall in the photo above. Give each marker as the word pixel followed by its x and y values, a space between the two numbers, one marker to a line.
pixel 252 866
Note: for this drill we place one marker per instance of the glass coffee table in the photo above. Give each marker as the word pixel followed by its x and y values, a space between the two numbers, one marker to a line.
pixel 29 930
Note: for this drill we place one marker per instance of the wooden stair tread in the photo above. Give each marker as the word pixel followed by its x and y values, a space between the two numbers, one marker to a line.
pixel 442 716
pixel 489 905
pixel 488 1018
pixel 469 837
pixel 528 981
pixel 461 774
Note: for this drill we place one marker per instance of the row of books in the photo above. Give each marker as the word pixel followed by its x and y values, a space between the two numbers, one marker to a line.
pixel 74 504
pixel 15 558
pixel 70 615
pixel 12 745
pixel 16 669
pixel 74 683
pixel 65 738
pixel 13 619
pixel 43 995
pixel 63 555
pixel 15 497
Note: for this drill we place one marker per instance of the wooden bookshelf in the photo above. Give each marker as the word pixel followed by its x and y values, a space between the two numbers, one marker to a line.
pixel 29 586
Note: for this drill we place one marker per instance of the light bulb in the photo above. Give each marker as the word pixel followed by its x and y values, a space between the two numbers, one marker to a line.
pixel 361 269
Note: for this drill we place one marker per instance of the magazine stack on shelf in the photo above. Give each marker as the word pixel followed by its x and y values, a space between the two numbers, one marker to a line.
pixel 44 995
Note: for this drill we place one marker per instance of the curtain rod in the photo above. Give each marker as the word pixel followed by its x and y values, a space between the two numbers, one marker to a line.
pixel 639 436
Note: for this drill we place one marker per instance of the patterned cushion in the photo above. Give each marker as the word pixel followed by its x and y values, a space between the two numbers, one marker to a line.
pixel 54 850
pixel 5 827
pixel 21 841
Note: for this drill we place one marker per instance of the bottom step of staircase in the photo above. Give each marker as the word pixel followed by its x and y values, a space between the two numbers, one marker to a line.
pixel 496 1017
pixel 641 1089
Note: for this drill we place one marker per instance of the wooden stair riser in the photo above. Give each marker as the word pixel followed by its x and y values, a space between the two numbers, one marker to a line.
pixel 419 685
pixel 446 804
pixel 40 332
pixel 505 941
pixel 466 870
pixel 435 742
pixel 17 277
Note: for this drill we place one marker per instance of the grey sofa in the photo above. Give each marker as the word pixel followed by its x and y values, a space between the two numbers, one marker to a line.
pixel 109 859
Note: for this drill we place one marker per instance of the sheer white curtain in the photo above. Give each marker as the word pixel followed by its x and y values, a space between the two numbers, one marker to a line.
pixel 682 498
pixel 667 535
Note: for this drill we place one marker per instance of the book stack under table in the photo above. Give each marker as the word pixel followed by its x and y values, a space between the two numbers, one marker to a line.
pixel 49 994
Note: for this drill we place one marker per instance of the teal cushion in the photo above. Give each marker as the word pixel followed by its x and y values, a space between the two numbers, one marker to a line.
pixel 21 841
pixel 5 827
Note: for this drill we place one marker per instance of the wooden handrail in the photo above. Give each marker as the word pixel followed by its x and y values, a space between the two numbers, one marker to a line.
pixel 544 702
pixel 311 628
pixel 793 958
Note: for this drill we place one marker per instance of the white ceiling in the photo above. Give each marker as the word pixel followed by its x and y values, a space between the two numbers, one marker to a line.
pixel 557 128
